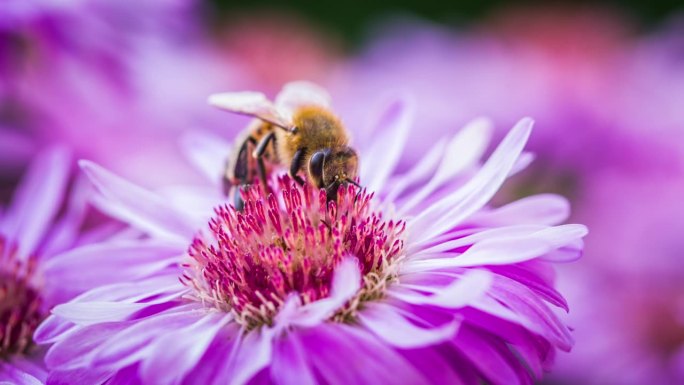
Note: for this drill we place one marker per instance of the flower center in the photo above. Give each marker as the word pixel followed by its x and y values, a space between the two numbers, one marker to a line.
pixel 20 304
pixel 290 242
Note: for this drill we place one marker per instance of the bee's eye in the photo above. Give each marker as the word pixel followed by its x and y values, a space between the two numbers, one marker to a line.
pixel 316 167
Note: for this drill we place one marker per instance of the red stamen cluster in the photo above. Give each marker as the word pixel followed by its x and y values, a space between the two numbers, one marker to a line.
pixel 20 304
pixel 290 241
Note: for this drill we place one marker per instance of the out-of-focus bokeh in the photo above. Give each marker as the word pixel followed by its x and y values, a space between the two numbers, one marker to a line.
pixel 120 82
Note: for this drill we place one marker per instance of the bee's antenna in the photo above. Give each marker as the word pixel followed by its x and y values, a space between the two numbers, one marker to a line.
pixel 349 180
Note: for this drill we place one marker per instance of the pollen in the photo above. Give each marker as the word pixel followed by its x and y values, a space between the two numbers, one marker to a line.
pixel 291 242
pixel 20 303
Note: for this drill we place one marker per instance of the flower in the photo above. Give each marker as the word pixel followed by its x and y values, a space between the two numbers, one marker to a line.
pixel 38 248
pixel 68 69
pixel 412 279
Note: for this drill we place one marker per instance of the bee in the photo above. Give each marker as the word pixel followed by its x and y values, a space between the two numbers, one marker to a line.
pixel 298 132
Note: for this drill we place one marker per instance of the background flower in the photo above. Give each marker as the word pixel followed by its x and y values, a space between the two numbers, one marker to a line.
pixel 44 249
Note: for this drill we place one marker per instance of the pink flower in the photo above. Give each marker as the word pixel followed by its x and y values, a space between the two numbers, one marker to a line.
pixel 411 280
pixel 42 260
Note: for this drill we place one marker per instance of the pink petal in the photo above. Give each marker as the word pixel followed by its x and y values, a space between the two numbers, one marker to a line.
pixel 252 353
pixel 289 366
pixel 383 156
pixel 88 313
pixel 75 350
pixel 64 233
pixel 542 209
pixel 11 375
pixel 132 344
pixel 110 262
pixel 346 283
pixel 536 318
pixel 133 291
pixel 172 356
pixel 454 208
pixel 215 358
pixel 37 199
pixel 505 250
pixel 463 152
pixel 504 232
pixel 207 152
pixel 345 355
pixel 467 288
pixel 52 329
pixel 525 159
pixel 390 326
pixel 139 207
pixel 79 376
pixel 418 173
pixel 440 368
pixel 481 350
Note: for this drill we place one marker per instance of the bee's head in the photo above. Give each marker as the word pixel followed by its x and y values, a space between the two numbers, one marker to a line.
pixel 331 167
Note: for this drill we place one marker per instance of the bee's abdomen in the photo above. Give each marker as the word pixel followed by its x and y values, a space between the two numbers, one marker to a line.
pixel 242 167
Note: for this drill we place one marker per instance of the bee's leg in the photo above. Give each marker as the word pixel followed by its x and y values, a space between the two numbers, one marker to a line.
pixel 241 173
pixel 331 192
pixel 259 155
pixel 296 165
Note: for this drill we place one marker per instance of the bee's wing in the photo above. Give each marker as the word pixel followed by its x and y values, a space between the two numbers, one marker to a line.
pixel 301 93
pixel 249 103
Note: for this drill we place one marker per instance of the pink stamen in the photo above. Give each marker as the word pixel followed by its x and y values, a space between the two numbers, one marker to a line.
pixel 20 304
pixel 255 258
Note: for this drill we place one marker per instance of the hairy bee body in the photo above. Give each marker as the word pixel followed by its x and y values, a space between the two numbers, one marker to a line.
pixel 242 165
pixel 315 147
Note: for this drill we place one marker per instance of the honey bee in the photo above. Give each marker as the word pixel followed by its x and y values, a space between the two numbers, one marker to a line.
pixel 298 132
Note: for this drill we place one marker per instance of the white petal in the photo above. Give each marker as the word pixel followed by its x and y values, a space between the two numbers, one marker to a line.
pixel 180 350
pixel 390 326
pixel 290 366
pixel 490 234
pixel 466 289
pixel 137 206
pixel 525 159
pixel 419 172
pixel 251 355
pixel 346 283
pixel 542 209
pixel 505 250
pixel 88 313
pixel 133 343
pixel 207 152
pixel 463 152
pixel 451 210
pixel 384 154
pixel 37 200
pixel 110 262
pixel 249 103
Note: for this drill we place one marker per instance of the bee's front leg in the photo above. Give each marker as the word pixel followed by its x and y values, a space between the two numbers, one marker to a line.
pixel 258 154
pixel 239 175
pixel 296 165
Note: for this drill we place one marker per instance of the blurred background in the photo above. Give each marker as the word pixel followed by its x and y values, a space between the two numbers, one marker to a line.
pixel 120 82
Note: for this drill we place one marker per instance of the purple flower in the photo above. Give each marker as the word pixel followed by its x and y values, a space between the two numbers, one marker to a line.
pixel 39 236
pixel 413 280
pixel 68 69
